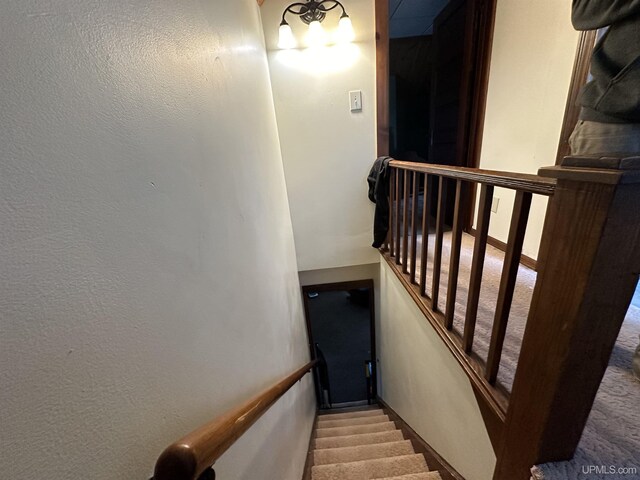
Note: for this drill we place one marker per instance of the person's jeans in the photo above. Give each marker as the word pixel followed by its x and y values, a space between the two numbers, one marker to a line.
pixel 608 138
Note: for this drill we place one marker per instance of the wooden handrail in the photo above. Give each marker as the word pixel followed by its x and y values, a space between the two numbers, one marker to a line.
pixel 523 182
pixel 189 457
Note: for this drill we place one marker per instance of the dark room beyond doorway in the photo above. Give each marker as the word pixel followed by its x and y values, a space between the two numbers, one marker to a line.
pixel 340 323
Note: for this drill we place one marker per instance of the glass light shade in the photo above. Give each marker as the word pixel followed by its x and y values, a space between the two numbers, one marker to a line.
pixel 345 33
pixel 286 39
pixel 316 36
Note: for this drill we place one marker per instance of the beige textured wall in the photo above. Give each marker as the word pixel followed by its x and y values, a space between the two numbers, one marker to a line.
pixel 327 150
pixel 531 65
pixel 147 263
pixel 425 385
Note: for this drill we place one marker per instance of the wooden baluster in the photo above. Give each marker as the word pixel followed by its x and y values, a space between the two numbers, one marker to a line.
pixel 397 216
pixel 454 259
pixel 508 282
pixel 405 220
pixel 425 239
pixel 587 272
pixel 477 265
pixel 437 254
pixel 392 197
pixel 414 227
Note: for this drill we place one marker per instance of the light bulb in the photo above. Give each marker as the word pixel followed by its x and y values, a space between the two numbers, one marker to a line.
pixel 345 33
pixel 286 39
pixel 316 36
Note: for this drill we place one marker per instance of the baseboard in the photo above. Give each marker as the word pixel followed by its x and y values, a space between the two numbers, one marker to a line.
pixel 500 245
pixel 418 442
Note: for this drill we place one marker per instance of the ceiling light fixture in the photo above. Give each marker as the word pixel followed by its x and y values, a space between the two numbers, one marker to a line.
pixel 313 12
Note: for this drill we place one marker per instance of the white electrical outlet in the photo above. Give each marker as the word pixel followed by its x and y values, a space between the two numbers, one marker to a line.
pixel 494 204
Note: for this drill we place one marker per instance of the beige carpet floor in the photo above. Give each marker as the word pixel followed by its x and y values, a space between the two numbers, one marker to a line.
pixel 364 445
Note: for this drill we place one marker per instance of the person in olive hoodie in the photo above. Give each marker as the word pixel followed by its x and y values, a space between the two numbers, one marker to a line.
pixel 610 114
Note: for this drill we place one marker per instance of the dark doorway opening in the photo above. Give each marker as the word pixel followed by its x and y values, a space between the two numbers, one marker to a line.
pixel 432 72
pixel 341 328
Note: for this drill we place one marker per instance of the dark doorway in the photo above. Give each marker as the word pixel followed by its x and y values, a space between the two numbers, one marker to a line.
pixel 340 322
pixel 431 56
pixel 432 72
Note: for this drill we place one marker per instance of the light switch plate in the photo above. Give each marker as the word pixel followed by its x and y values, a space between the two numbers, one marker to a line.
pixel 355 100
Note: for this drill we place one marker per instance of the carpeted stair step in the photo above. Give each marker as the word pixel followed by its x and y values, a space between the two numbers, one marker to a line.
pixel 355 430
pixel 357 414
pixel 348 422
pixel 370 469
pixel 362 452
pixel 416 476
pixel 361 439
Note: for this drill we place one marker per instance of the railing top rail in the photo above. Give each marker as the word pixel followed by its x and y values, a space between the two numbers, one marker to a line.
pixel 523 182
pixel 189 457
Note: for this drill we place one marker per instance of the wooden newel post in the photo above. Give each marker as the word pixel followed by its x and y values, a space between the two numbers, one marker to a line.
pixel 588 268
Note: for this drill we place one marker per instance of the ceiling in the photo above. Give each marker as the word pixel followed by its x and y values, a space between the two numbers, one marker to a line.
pixel 411 18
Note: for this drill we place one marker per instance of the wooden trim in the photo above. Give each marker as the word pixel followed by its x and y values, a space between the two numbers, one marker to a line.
pixel 484 27
pixel 495 396
pixel 338 286
pixel 500 245
pixel 419 444
pixel 524 182
pixel 382 75
pixel 581 66
pixel 197 451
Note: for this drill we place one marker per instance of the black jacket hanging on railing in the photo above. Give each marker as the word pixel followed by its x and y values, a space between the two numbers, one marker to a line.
pixel 378 180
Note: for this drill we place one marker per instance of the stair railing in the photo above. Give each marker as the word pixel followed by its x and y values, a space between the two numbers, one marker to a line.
pixel 588 267
pixel 408 179
pixel 192 456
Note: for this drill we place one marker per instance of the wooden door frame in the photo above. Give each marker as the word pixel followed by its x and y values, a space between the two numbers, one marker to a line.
pixel 484 24
pixel 338 287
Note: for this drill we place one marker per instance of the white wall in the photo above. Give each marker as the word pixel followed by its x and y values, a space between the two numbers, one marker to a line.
pixel 531 64
pixel 327 150
pixel 425 385
pixel 147 263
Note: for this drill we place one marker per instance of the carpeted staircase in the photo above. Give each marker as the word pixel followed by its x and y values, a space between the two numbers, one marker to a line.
pixel 363 445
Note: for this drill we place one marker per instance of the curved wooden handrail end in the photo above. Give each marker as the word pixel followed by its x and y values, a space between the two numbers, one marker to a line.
pixel 177 461
pixel 194 453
